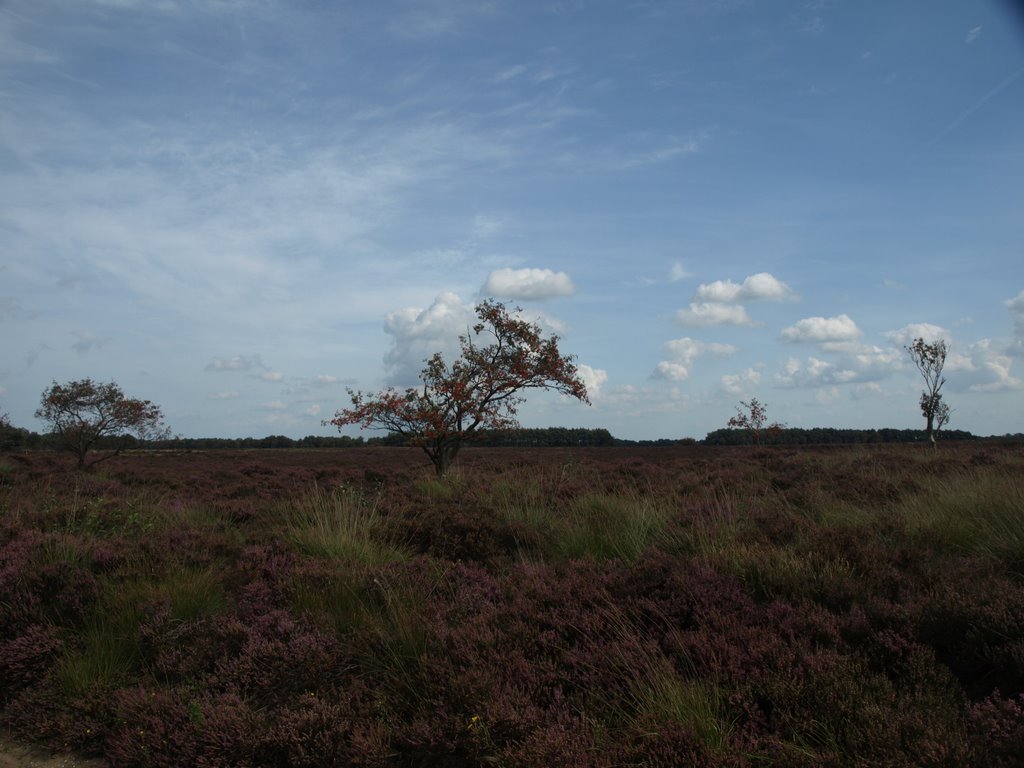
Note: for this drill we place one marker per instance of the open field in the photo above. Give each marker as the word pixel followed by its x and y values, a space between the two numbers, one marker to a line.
pixel 855 606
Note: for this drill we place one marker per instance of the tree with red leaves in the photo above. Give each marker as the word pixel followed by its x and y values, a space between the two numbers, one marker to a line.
pixel 82 413
pixel 480 390
pixel 753 417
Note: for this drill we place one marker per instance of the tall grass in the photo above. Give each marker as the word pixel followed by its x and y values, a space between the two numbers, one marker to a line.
pixel 609 527
pixel 655 695
pixel 975 511
pixel 107 647
pixel 340 523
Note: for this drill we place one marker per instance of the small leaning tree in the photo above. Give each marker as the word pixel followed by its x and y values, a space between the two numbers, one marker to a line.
pixel 482 389
pixel 83 413
pixel 930 359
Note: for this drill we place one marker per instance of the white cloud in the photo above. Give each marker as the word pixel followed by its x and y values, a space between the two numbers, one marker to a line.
pixel 324 380
pixel 420 333
pixel 272 376
pixel 682 352
pixel 989 370
pixel 225 395
pixel 713 313
pixel 906 335
pixel 528 284
pixel 854 362
pixel 275 405
pixel 794 373
pixel 671 371
pixel 822 329
pixel 593 379
pixel 739 383
pixel 313 410
pixel 973 34
pixel 755 287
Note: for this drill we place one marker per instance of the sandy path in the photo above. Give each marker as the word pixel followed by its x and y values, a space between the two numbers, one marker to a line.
pixel 20 756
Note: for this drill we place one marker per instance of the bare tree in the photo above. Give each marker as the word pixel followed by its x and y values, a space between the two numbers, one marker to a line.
pixel 930 359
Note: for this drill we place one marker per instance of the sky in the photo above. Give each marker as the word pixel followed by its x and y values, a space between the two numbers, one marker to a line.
pixel 239 209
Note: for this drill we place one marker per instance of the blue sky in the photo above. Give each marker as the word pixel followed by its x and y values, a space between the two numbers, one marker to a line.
pixel 239 208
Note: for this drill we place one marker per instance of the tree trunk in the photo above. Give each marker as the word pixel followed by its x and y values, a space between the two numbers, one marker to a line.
pixel 443 456
pixel 931 430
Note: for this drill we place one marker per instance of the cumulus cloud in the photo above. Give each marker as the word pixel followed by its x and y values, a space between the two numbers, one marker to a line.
pixel 418 334
pixel 226 395
pixel 682 352
pixel 853 362
pixel 686 349
pixel 721 302
pixel 275 405
pixel 272 376
pixel 990 368
pixel 755 287
pixel 822 329
pixel 528 284
pixel 739 383
pixel 593 379
pixel 713 313
pixel 796 373
pixel 671 371
pixel 906 335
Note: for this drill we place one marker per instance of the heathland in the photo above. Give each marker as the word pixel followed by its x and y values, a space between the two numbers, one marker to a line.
pixel 662 606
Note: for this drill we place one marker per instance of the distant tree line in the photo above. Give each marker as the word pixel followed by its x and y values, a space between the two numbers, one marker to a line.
pixel 828 436
pixel 17 438
pixel 515 438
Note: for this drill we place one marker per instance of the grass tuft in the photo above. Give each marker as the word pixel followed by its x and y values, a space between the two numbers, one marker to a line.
pixel 340 523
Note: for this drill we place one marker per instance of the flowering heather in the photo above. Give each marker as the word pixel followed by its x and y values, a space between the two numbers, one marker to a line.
pixel 590 607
